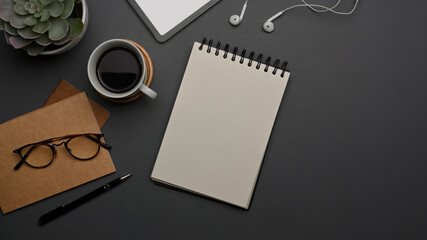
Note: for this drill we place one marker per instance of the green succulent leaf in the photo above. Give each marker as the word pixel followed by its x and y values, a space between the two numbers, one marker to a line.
pixel 66 39
pixel 17 21
pixel 34 49
pixel 6 10
pixel 30 21
pixel 7 36
pixel 9 29
pixel 33 6
pixel 55 9
pixel 76 25
pixel 28 33
pixel 27 6
pixel 77 1
pixel 43 40
pixel 19 9
pixel 17 1
pixel 45 15
pixel 46 2
pixel 59 29
pixel 2 24
pixel 42 27
pixel 18 42
pixel 68 9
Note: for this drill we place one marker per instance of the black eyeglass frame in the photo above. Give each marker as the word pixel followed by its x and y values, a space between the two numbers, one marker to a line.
pixel 53 148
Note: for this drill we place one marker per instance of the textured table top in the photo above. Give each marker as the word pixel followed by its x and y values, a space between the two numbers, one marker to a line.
pixel 346 158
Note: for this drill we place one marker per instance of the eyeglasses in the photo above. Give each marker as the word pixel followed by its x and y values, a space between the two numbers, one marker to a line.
pixel 41 154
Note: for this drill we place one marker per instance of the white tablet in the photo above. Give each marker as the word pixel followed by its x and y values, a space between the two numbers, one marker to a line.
pixel 165 18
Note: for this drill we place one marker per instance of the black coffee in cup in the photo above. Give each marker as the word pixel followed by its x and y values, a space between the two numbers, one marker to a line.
pixel 119 70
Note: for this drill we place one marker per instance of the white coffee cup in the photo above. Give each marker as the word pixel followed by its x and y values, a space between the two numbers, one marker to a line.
pixel 92 68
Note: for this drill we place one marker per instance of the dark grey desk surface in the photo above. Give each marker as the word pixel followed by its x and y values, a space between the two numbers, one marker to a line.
pixel 346 159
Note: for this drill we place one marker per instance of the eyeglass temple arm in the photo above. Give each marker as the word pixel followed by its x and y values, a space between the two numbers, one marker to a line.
pixel 22 158
pixel 19 164
pixel 104 145
pixel 65 137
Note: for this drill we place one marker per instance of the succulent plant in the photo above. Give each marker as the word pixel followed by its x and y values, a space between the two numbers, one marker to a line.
pixel 35 24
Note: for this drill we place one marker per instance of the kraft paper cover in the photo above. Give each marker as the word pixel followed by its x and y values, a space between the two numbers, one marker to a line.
pixel 65 90
pixel 28 185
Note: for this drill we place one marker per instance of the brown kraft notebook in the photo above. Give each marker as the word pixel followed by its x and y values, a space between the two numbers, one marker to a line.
pixel 65 90
pixel 28 185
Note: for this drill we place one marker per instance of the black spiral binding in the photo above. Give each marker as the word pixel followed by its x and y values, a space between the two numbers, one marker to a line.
pixel 226 50
pixel 251 56
pixel 259 58
pixel 234 54
pixel 218 45
pixel 242 56
pixel 210 45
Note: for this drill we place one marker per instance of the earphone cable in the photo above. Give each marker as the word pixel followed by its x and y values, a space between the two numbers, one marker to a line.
pixel 322 8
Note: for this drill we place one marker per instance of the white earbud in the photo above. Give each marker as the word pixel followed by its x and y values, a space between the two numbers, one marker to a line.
pixel 236 19
pixel 268 26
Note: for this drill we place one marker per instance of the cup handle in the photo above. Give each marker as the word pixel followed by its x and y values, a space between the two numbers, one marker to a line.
pixel 147 91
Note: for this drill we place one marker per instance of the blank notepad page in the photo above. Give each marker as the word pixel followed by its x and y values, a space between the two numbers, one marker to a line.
pixel 219 127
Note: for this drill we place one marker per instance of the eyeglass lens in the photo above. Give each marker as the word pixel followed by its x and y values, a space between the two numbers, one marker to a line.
pixel 38 155
pixel 83 147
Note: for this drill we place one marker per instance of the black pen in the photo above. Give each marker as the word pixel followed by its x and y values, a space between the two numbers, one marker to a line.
pixel 70 206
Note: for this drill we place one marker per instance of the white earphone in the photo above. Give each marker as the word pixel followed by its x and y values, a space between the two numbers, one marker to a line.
pixel 236 19
pixel 268 26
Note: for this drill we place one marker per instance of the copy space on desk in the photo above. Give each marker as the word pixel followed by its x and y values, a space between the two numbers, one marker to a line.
pixel 28 185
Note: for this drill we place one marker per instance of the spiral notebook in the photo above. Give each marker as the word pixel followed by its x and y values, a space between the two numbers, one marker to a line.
pixel 221 123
